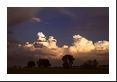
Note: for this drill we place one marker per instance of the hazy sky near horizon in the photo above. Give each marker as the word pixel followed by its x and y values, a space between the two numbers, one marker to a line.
pixel 64 22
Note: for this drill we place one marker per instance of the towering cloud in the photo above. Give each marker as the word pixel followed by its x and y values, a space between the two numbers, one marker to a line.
pixel 46 47
pixel 81 44
pixel 43 42
pixel 41 37
pixel 52 42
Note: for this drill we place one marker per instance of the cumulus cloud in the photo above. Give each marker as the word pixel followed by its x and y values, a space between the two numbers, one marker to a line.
pixel 52 42
pixel 102 46
pixel 81 44
pixel 43 42
pixel 46 47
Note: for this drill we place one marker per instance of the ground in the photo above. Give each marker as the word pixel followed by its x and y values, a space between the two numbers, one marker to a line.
pixel 59 70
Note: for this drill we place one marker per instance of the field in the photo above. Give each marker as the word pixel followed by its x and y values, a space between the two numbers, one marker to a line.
pixel 59 70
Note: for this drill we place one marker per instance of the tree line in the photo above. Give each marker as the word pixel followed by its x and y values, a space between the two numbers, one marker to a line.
pixel 67 62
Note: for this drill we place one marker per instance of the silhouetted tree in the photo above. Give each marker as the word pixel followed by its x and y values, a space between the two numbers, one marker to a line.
pixel 67 61
pixel 94 63
pixel 31 64
pixel 90 64
pixel 43 63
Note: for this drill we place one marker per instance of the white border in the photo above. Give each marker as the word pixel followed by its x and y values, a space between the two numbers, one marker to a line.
pixel 57 3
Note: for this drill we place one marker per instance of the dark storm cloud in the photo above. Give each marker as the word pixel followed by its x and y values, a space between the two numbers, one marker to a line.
pixel 17 15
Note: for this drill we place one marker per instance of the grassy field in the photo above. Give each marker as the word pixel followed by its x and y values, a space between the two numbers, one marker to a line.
pixel 99 70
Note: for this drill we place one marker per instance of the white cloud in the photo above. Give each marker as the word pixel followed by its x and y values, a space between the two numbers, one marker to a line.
pixel 52 42
pixel 102 46
pixel 41 37
pixel 81 45
pixel 65 46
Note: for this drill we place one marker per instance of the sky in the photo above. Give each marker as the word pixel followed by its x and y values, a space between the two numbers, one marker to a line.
pixel 80 31
pixel 92 22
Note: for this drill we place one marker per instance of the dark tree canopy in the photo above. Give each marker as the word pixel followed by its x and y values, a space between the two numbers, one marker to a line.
pixel 31 64
pixel 90 64
pixel 43 63
pixel 67 60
